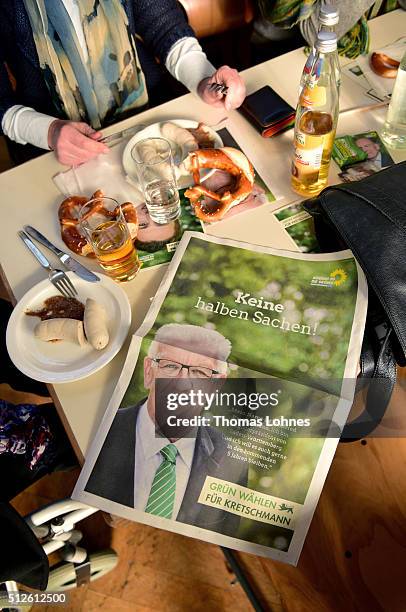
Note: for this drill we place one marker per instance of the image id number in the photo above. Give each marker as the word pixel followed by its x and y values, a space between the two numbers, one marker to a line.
pixel 17 597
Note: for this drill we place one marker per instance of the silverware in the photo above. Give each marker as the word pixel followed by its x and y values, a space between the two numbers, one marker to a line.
pixel 219 87
pixel 116 137
pixel 367 107
pixel 66 259
pixel 57 277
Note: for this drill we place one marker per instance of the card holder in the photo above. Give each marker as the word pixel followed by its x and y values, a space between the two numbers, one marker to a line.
pixel 268 112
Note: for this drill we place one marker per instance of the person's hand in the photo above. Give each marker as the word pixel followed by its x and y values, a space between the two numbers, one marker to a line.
pixel 74 142
pixel 230 78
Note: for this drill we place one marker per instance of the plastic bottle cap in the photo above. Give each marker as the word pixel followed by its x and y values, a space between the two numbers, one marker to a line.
pixel 326 41
pixel 328 15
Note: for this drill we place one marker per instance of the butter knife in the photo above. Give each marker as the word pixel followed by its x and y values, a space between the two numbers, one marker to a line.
pixel 116 137
pixel 66 259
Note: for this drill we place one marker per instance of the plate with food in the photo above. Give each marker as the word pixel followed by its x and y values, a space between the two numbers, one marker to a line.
pixel 184 136
pixel 56 339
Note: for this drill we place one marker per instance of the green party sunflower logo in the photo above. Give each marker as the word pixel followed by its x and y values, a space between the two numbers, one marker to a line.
pixel 338 276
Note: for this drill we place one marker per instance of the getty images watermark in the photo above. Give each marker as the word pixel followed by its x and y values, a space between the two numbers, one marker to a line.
pixel 273 406
pixel 203 401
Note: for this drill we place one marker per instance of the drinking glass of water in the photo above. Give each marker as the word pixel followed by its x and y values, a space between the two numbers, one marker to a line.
pixel 156 174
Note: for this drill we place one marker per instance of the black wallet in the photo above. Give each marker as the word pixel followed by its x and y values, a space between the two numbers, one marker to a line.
pixel 268 112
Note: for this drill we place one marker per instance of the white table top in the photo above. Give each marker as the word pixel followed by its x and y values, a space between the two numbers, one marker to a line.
pixel 28 195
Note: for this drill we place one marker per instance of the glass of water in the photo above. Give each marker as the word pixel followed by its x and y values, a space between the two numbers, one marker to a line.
pixel 156 174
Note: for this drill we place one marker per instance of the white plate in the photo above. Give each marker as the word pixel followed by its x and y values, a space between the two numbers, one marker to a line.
pixel 179 153
pixel 58 362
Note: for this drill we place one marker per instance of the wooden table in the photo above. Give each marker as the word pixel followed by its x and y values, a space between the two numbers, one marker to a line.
pixel 362 508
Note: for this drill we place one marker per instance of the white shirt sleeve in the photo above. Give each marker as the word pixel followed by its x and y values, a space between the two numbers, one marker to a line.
pixel 187 62
pixel 23 124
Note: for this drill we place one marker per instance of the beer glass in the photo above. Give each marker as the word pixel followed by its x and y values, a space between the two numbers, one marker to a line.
pixel 105 227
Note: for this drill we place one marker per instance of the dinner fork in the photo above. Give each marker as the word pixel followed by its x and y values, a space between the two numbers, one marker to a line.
pixel 58 278
pixel 219 87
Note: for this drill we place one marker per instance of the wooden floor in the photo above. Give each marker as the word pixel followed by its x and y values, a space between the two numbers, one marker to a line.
pixel 157 570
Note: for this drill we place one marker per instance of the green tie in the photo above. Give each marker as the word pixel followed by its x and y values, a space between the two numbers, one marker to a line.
pixel 162 494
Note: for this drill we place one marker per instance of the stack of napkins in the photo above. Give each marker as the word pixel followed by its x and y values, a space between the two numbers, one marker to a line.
pixel 104 172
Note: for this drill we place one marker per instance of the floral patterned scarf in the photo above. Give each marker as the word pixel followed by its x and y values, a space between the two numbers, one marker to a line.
pixel 287 13
pixel 106 85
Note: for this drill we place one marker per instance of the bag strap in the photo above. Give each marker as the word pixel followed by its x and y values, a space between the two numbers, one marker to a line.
pixel 367 358
pixel 379 394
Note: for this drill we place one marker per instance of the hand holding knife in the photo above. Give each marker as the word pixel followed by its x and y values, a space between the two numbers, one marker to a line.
pixel 66 259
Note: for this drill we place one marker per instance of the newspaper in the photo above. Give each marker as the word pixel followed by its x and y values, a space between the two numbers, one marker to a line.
pixel 298 223
pixel 225 419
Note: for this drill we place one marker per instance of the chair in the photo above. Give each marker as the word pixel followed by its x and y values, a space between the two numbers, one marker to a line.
pixel 210 17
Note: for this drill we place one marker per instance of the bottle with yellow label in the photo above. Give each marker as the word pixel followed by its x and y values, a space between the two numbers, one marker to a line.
pixel 316 120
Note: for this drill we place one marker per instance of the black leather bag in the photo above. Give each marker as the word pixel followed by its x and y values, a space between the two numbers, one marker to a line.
pixel 369 217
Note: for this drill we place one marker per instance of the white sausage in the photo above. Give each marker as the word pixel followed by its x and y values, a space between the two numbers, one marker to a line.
pixel 95 323
pixel 151 155
pixel 61 329
pixel 180 135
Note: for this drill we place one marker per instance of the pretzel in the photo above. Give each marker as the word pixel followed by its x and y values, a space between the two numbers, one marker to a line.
pixel 71 232
pixel 229 160
pixel 384 66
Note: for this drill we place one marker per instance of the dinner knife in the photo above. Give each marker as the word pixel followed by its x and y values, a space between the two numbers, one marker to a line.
pixel 66 259
pixel 116 137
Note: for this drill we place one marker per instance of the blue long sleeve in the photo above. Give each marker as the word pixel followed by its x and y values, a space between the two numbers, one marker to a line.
pixel 160 23
pixel 7 97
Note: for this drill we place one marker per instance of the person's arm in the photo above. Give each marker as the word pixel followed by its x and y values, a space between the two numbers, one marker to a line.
pixel 160 24
pixel 7 97
pixel 350 12
pixel 163 27
pixel 18 122
pixel 73 142
pixel 187 62
pixel 23 124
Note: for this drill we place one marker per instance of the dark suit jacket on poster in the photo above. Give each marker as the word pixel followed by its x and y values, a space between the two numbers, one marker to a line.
pixel 386 159
pixel 113 474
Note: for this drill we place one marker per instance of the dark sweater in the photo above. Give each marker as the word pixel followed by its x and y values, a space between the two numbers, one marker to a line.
pixel 160 23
